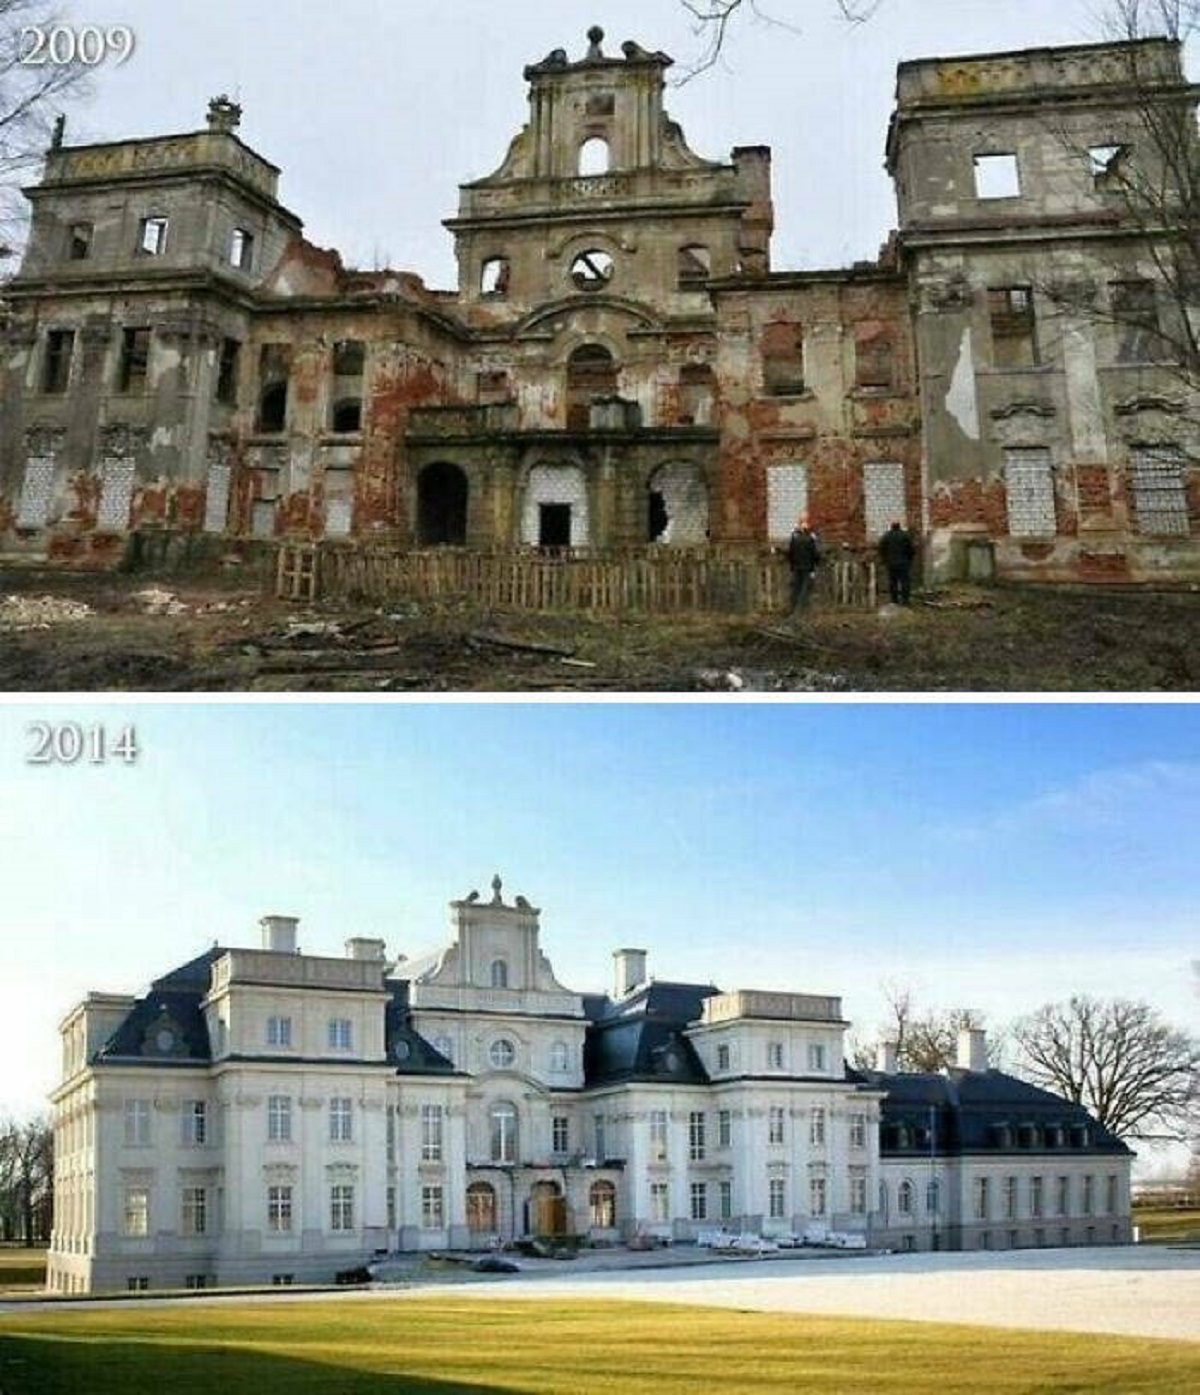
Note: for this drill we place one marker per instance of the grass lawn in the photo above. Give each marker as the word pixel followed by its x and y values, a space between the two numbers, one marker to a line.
pixel 450 1345
pixel 1161 1224
pixel 22 1269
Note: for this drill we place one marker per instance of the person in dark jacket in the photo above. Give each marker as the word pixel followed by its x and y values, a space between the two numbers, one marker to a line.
pixel 899 552
pixel 804 557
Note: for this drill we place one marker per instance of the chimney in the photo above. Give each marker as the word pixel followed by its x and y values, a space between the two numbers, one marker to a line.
pixel 224 115
pixel 972 1050
pixel 631 970
pixel 367 951
pixel 887 1059
pixel 279 934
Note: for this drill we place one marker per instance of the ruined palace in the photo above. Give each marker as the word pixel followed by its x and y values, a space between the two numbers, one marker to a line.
pixel 621 366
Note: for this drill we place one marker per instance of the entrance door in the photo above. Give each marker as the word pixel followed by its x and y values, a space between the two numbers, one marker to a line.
pixel 547 1210
pixel 442 497
pixel 554 526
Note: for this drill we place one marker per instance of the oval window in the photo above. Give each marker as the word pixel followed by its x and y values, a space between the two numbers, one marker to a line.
pixel 503 1054
pixel 593 270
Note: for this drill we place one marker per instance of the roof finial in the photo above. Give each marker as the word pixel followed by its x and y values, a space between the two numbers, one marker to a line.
pixel 595 38
pixel 497 889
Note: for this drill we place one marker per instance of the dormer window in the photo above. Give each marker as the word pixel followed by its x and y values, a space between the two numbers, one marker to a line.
pixel 595 157
pixel 499 973
pixel 722 1058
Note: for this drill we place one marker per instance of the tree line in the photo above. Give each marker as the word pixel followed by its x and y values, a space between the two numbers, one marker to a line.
pixel 26 1180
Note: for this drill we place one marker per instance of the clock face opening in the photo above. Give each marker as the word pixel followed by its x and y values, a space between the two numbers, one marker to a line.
pixel 593 270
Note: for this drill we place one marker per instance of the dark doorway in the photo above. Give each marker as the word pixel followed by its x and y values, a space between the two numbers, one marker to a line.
pixel 554 527
pixel 660 519
pixel 442 494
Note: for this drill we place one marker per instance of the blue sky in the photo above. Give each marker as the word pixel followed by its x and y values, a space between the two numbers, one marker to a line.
pixel 377 109
pixel 992 856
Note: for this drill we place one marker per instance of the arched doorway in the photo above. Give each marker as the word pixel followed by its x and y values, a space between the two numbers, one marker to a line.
pixel 481 1209
pixel 442 495
pixel 547 1210
pixel 555 513
pixel 591 373
pixel 678 506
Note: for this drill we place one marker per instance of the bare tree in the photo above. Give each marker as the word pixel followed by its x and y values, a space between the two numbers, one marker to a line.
pixel 26 1180
pixel 32 98
pixel 925 1040
pixel 715 20
pixel 1131 1070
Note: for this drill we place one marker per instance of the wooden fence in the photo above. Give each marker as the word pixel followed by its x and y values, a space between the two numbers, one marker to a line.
pixel 651 581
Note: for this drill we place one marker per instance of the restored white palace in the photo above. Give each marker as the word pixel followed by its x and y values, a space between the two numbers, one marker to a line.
pixel 263 1115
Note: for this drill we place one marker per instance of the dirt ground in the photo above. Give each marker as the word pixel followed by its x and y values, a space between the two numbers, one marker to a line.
pixel 63 632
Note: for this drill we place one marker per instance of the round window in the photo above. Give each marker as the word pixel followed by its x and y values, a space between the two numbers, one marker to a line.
pixel 403 1051
pixel 503 1054
pixel 165 1040
pixel 592 271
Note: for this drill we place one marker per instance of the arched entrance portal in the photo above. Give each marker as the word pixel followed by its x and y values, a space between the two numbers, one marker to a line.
pixel 547 1210
pixel 555 514
pixel 678 506
pixel 442 495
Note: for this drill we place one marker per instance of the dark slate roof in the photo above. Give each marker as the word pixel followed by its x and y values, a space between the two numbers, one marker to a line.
pixel 165 1028
pixel 406 1049
pixel 981 1112
pixel 642 1036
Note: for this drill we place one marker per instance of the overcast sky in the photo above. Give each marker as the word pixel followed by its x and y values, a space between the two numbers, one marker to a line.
pixel 993 857
pixel 378 109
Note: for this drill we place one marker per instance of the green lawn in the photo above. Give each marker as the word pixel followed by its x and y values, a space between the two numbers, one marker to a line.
pixel 1162 1224
pixel 22 1269
pixel 450 1345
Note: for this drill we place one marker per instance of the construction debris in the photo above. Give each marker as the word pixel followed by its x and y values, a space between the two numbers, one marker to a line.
pixel 22 613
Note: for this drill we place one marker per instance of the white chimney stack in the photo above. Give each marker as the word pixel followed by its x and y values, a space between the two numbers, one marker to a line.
pixel 972 1050
pixel 888 1058
pixel 631 970
pixel 367 951
pixel 279 933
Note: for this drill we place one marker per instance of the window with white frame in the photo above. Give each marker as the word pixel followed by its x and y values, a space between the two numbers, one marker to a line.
pixel 599 1137
pixel 1114 1195
pixel 136 1221
pixel 279 1031
pixel 777 1198
pixel 1029 485
pixel 699 1196
pixel 858 1130
pixel 983 1198
pixel 341 1034
pixel 775 1055
pixel 560 1130
pixel 817 1059
pixel 725 1200
pixel 279 1119
pixel 1064 1196
pixel 1036 1202
pixel 697 1135
pixel 1011 1198
pixel 775 1126
pixel 1089 1195
pixel 858 1195
pixel 658 1134
pixel 341 1207
pixel 341 1120
pixel 816 1128
pixel 194 1211
pixel 279 1210
pixel 1159 495
pixel 660 1203
pixel 137 1123
pixel 499 973
pixel 905 1197
pixel 195 1124
pixel 432 1116
pixel 433 1208
pixel 722 1058
pixel 817 1196
pixel 503 1133
pixel 560 1058
pixel 725 1128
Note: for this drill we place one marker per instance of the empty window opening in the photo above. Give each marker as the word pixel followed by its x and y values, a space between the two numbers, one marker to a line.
pixel 601 104
pixel 783 359
pixel 496 278
pixel 787 499
pixel 79 241
pixel 592 270
pixel 997 177
pixel 37 492
pixel 349 367
pixel 227 372
pixel 339 503
pixel 1159 495
pixel 554 526
pixel 135 361
pixel 591 374
pixel 1029 479
pixel 1137 322
pixel 443 494
pixel 883 497
pixel 695 268
pixel 241 249
pixel 595 157
pixel 492 389
pixel 116 495
pixel 697 393
pixel 152 238
pixel 274 375
pixel 499 974
pixel 1014 327
pixel 875 367
pixel 56 371
pixel 1108 166
pixel 678 506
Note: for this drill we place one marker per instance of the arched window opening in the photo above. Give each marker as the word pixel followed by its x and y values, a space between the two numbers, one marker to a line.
pixel 481 1209
pixel 499 974
pixel 349 368
pixel 678 506
pixel 503 1134
pixel 274 373
pixel 595 157
pixel 496 278
pixel 591 374
pixel 933 1198
pixel 602 1201
pixel 697 392
pixel 442 497
pixel 883 1201
pixel 904 1199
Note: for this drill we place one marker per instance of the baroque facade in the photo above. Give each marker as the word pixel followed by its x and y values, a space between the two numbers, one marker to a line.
pixel 264 1115
pixel 620 365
